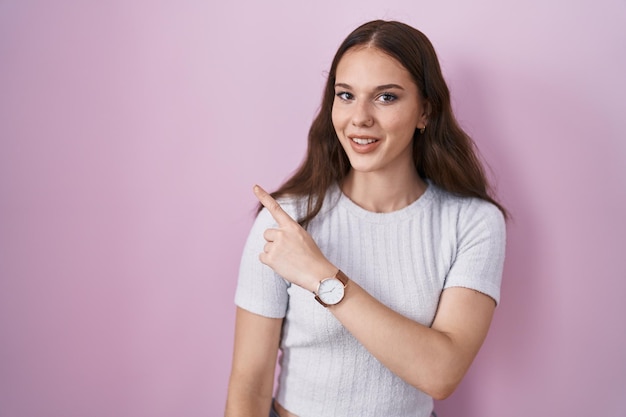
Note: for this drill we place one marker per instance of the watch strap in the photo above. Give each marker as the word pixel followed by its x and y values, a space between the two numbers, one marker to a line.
pixel 342 277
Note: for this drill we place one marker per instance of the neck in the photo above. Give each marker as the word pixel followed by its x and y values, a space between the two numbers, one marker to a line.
pixel 382 193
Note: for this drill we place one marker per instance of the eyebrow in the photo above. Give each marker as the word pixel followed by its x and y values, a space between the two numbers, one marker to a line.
pixel 379 88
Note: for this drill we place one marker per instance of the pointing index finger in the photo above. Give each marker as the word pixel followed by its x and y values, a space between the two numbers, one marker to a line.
pixel 277 212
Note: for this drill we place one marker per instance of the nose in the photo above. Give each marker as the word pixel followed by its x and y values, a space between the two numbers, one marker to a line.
pixel 362 115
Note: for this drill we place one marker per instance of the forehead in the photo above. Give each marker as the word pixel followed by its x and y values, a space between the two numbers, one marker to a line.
pixel 370 65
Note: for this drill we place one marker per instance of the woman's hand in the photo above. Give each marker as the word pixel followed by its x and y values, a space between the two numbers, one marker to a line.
pixel 290 251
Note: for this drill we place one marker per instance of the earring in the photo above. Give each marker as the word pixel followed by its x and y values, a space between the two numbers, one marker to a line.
pixel 422 130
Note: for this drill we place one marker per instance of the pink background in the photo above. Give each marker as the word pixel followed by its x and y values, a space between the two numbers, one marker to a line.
pixel 131 133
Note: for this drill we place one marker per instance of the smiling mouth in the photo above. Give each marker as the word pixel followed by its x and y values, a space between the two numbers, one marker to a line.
pixel 362 141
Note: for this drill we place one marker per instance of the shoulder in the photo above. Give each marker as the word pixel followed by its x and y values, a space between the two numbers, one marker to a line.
pixel 468 213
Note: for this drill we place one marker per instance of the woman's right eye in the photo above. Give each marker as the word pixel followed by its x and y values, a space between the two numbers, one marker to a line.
pixel 344 95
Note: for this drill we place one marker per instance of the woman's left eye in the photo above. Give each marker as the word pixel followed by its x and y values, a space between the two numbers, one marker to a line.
pixel 387 97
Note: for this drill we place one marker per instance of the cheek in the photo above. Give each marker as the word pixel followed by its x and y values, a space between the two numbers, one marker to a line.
pixel 337 120
pixel 403 124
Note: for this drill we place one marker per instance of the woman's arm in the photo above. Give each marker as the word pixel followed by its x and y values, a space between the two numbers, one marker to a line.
pixel 251 383
pixel 432 359
pixel 435 359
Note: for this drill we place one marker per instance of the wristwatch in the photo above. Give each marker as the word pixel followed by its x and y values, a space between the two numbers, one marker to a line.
pixel 331 291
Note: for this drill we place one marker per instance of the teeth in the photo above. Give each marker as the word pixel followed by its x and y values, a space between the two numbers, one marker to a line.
pixel 363 141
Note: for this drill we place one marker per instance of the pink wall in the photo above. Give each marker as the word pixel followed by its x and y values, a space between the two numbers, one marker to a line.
pixel 132 132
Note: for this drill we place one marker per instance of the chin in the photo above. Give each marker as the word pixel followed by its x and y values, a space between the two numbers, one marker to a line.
pixel 363 168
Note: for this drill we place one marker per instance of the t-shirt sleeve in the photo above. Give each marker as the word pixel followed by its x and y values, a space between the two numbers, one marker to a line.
pixel 259 289
pixel 480 251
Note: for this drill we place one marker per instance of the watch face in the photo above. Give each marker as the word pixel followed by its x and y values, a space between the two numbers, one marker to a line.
pixel 330 291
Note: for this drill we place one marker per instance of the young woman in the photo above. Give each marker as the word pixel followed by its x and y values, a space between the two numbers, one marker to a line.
pixel 376 271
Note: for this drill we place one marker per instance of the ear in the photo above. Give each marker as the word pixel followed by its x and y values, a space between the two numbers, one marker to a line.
pixel 423 120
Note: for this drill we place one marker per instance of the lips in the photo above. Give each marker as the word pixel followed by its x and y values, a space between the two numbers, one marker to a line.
pixel 363 144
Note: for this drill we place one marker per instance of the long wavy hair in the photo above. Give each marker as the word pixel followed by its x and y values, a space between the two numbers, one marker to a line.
pixel 444 153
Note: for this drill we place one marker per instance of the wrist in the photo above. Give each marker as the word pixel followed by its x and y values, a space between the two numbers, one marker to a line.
pixel 320 273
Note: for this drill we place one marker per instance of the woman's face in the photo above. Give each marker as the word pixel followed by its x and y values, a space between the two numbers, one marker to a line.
pixel 376 109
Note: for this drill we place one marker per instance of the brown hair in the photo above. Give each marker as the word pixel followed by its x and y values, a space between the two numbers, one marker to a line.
pixel 444 153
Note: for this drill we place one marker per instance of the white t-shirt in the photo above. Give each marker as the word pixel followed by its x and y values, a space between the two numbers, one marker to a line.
pixel 405 259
